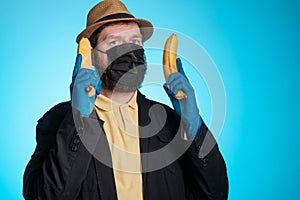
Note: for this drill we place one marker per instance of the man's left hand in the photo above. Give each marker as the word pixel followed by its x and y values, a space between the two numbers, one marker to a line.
pixel 186 108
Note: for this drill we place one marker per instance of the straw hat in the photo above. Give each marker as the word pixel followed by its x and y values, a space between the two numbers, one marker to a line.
pixel 112 11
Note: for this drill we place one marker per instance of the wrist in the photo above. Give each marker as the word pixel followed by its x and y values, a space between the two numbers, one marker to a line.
pixel 193 127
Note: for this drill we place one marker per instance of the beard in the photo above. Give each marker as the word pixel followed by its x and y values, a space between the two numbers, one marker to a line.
pixel 126 69
pixel 116 86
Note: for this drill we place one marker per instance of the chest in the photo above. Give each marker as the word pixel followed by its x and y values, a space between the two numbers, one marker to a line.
pixel 164 183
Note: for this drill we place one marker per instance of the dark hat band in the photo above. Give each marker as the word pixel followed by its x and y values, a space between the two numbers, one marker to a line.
pixel 115 16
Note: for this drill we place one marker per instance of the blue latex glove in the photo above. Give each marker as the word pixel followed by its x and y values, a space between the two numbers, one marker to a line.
pixel 186 108
pixel 81 79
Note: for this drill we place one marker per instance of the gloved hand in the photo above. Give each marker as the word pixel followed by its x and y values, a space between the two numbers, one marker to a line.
pixel 81 79
pixel 186 108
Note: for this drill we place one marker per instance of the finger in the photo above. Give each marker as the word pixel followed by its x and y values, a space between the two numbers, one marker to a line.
pixel 174 101
pixel 176 78
pixel 99 87
pixel 86 79
pixel 168 91
pixel 83 72
pixel 96 73
pixel 77 65
pixel 176 87
pixel 92 81
pixel 173 77
pixel 180 84
pixel 179 67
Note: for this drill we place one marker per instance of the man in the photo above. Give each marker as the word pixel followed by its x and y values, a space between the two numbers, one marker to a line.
pixel 101 146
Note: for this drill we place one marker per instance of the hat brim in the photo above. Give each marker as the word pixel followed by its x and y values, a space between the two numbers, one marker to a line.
pixel 146 27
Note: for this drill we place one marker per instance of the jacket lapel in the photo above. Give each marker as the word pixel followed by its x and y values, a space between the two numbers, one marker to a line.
pixel 144 120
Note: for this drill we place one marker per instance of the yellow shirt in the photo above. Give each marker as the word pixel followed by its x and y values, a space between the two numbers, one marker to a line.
pixel 121 129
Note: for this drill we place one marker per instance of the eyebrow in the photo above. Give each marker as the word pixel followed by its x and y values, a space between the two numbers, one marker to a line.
pixel 109 37
pixel 138 35
pixel 117 37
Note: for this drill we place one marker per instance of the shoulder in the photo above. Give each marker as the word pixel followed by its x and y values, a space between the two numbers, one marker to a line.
pixel 53 117
pixel 48 125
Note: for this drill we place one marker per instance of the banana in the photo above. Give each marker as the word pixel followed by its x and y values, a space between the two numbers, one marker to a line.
pixel 169 61
pixel 85 49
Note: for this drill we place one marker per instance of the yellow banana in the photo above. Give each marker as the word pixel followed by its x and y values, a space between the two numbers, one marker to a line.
pixel 85 49
pixel 169 61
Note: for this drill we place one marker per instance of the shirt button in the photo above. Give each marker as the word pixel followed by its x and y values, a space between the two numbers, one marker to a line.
pixel 80 129
pixel 204 163
pixel 74 148
pixel 76 140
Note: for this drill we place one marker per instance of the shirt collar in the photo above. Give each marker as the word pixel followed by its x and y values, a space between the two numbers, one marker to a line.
pixel 104 103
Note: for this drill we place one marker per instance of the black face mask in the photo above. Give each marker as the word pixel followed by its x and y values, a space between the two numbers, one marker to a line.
pixel 127 64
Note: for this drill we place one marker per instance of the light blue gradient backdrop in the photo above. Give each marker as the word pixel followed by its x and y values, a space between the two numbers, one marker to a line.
pixel 255 45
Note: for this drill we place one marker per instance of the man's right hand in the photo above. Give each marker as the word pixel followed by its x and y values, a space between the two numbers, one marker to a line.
pixel 83 78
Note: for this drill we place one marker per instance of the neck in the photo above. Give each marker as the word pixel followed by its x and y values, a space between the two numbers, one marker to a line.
pixel 119 97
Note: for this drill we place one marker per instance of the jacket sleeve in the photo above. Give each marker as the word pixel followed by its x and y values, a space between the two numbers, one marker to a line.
pixel 60 161
pixel 205 169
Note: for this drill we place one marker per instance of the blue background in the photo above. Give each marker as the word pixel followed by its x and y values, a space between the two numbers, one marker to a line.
pixel 255 45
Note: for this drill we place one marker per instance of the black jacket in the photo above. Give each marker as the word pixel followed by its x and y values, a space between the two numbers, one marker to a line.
pixel 65 166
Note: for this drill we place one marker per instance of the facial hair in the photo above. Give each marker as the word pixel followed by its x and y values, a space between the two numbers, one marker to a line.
pixel 126 70
pixel 112 85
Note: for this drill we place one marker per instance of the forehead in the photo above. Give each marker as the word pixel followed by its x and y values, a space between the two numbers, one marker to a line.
pixel 119 29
